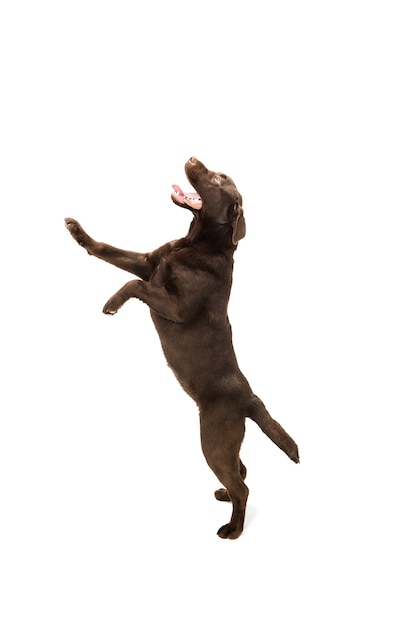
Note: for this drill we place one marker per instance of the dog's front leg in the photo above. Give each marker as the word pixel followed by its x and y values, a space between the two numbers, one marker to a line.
pixel 155 296
pixel 134 262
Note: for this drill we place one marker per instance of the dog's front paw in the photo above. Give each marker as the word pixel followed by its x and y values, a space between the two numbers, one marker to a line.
pixel 78 233
pixel 112 306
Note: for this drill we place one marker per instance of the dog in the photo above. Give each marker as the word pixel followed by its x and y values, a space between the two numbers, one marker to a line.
pixel 186 284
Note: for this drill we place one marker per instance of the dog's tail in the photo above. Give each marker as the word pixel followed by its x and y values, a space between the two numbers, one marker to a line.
pixel 259 414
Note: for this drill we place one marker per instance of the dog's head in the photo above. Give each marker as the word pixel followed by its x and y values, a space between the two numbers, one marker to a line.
pixel 216 200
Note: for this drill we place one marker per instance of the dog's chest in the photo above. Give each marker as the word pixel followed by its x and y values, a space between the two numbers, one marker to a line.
pixel 185 269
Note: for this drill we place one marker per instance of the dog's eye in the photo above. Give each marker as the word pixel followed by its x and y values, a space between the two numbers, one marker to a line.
pixel 217 179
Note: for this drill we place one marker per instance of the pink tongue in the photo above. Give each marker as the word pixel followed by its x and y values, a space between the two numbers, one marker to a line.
pixel 192 199
pixel 181 193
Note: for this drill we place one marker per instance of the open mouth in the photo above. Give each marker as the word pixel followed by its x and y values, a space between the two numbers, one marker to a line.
pixel 189 200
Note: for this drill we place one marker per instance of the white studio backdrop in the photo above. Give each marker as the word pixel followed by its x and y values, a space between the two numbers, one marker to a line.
pixel 107 514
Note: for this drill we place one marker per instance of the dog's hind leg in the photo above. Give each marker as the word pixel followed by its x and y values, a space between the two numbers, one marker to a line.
pixel 221 438
pixel 221 494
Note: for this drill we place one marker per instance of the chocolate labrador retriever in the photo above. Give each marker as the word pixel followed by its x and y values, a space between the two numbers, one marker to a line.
pixel 186 284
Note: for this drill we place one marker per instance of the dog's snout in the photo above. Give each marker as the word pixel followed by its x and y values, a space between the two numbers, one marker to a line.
pixel 192 160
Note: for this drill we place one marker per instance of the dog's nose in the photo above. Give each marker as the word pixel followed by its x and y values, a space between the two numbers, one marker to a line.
pixel 193 160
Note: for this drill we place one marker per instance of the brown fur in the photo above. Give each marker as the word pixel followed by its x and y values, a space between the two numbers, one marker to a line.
pixel 186 284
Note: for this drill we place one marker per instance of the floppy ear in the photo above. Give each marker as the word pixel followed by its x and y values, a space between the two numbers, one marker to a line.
pixel 238 224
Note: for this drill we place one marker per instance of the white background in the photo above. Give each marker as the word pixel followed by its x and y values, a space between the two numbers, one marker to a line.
pixel 107 512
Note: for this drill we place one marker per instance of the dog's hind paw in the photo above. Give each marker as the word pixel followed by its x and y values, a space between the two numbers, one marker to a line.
pixel 222 495
pixel 229 532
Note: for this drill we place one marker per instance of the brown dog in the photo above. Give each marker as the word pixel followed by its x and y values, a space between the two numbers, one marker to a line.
pixel 186 284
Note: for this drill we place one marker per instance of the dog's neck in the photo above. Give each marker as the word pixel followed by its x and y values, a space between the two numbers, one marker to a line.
pixel 218 235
